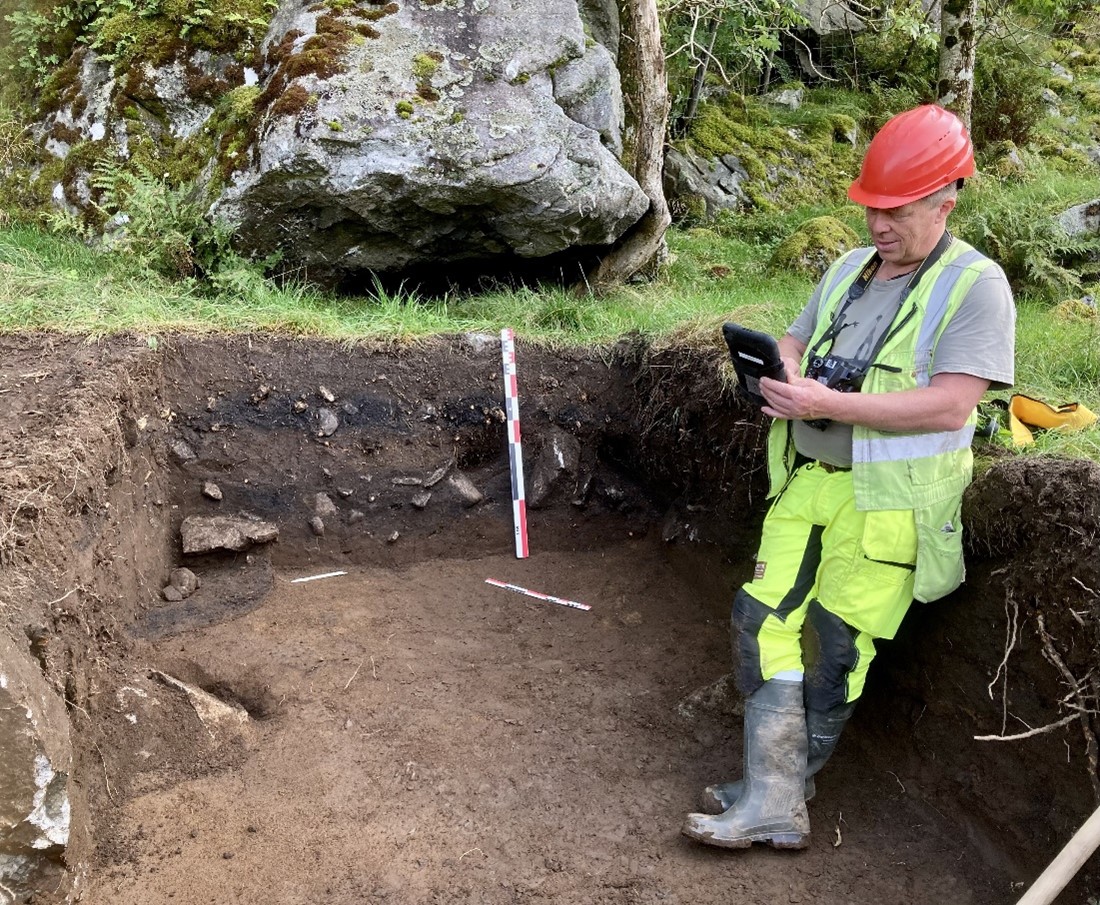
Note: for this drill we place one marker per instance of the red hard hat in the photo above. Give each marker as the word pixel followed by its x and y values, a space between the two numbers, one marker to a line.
pixel 915 154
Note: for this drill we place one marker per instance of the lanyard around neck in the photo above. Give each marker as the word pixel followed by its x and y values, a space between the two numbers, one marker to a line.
pixel 860 286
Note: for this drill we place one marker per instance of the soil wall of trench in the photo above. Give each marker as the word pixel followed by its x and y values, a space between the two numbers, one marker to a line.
pixel 105 449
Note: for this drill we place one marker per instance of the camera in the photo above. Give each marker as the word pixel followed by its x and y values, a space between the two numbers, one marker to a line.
pixel 841 374
pixel 845 375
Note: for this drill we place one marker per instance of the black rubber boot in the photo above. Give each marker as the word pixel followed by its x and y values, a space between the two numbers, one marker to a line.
pixel 771 809
pixel 822 728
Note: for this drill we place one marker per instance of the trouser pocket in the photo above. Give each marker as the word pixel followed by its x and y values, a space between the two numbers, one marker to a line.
pixel 940 566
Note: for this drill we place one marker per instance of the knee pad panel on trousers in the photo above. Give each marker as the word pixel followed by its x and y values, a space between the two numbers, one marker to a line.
pixel 745 622
pixel 835 658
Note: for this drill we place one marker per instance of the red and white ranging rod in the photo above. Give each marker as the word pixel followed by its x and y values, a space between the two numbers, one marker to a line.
pixel 515 451
pixel 549 598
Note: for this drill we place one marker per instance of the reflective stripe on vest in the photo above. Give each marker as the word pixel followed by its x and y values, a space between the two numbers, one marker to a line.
pixel 897 470
pixel 893 470
pixel 935 310
pixel 892 447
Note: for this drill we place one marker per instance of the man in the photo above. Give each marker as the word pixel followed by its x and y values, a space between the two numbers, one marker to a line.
pixel 868 458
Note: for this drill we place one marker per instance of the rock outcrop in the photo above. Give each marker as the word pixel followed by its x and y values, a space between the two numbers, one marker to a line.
pixel 1082 220
pixel 209 534
pixel 452 131
pixel 716 183
pixel 35 763
pixel 378 136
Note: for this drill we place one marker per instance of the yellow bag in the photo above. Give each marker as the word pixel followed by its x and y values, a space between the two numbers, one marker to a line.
pixel 1025 413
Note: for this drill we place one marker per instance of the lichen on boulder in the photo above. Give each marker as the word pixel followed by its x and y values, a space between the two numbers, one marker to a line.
pixel 464 133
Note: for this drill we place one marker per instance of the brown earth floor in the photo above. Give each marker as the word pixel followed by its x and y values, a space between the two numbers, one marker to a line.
pixel 437 739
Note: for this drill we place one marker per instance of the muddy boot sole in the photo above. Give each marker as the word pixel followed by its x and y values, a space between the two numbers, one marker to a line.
pixel 775 840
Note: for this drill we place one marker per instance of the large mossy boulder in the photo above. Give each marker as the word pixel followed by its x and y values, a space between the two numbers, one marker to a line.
pixel 376 136
pixel 450 131
pixel 811 248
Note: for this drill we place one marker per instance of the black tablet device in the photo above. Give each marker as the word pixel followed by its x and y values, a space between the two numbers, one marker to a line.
pixel 754 355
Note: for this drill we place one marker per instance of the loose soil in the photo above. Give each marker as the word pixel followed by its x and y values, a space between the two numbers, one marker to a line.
pixel 417 735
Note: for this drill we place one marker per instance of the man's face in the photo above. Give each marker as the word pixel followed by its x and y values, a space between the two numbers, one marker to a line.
pixel 905 235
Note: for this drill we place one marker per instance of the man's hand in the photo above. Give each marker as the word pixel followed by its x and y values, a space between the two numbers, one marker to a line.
pixel 792 366
pixel 791 351
pixel 799 399
pixel 944 405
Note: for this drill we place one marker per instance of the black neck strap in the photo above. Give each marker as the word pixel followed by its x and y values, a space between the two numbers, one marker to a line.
pixel 860 286
pixel 871 268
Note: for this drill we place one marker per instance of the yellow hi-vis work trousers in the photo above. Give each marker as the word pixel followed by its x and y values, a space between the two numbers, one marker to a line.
pixel 848 574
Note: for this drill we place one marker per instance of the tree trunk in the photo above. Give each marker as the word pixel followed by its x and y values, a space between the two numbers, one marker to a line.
pixel 683 126
pixel 958 40
pixel 645 94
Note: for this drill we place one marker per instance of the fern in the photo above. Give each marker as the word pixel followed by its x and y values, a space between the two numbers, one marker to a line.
pixel 1037 254
pixel 41 40
pixel 161 226
pixel 29 32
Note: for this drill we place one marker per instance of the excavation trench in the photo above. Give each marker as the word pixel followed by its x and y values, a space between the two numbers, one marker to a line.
pixel 407 732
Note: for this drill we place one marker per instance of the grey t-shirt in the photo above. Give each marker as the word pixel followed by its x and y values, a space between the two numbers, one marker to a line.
pixel 979 340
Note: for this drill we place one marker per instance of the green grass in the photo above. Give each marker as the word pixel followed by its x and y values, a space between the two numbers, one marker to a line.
pixel 52 283
pixel 1057 355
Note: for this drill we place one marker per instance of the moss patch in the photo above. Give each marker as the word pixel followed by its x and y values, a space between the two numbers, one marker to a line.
pixel 425 65
pixel 128 36
pixel 373 15
pixel 155 35
pixel 234 124
pixel 63 86
pixel 26 187
pixel 810 160
pixel 203 85
pixel 128 40
pixel 292 101
pixel 1076 310
pixel 811 248
pixel 60 132
pixel 344 29
pixel 321 56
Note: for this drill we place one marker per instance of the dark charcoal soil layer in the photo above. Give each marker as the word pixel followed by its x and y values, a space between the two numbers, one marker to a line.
pixel 416 735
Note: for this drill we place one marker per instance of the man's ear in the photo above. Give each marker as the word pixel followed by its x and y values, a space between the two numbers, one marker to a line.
pixel 946 207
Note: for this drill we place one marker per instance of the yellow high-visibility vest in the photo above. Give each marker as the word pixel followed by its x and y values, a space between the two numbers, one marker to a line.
pixel 897 475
